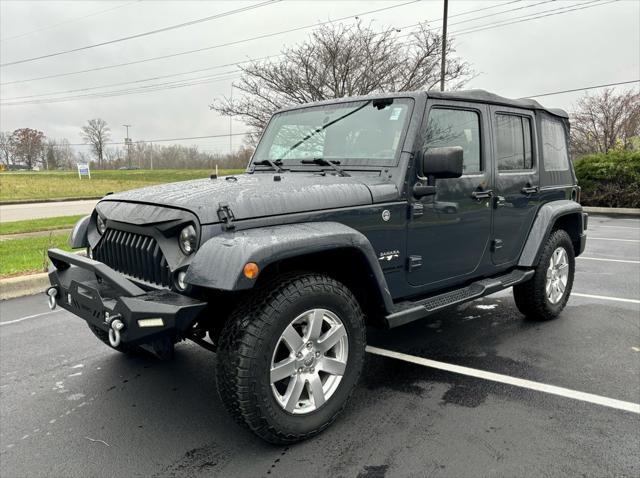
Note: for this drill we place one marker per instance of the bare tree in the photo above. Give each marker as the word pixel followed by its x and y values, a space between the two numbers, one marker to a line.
pixel 96 133
pixel 6 153
pixel 339 61
pixel 27 145
pixel 605 121
pixel 67 155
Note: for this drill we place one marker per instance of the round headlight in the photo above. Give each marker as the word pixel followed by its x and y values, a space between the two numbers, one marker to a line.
pixel 101 223
pixel 188 240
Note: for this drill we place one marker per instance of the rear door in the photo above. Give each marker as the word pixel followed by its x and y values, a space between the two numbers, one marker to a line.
pixel 448 233
pixel 516 186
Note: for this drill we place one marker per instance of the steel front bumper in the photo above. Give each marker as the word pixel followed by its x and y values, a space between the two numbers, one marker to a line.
pixel 110 301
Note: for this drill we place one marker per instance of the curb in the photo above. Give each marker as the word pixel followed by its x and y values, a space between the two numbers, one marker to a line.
pixel 39 201
pixel 26 235
pixel 614 211
pixel 14 287
pixel 20 286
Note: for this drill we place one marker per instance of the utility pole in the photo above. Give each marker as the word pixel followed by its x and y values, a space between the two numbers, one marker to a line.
pixel 231 127
pixel 152 156
pixel 127 142
pixel 444 43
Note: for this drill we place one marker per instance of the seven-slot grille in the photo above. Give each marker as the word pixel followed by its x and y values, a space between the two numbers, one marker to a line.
pixel 135 255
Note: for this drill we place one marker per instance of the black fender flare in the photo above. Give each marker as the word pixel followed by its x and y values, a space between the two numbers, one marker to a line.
pixel 219 262
pixel 547 216
pixel 78 237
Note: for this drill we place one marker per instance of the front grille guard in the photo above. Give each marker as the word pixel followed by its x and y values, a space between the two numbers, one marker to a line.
pixel 135 255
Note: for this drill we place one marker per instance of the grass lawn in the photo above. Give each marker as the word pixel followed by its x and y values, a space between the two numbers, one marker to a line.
pixel 35 225
pixel 25 186
pixel 22 256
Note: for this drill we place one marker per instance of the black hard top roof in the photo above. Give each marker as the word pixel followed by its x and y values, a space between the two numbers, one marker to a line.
pixel 475 96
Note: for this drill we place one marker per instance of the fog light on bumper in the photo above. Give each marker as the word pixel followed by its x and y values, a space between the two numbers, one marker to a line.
pixel 158 322
pixel 180 282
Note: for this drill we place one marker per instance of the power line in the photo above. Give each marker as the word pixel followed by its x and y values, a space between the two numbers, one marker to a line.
pixel 128 91
pixel 220 45
pixel 526 18
pixel 619 83
pixel 166 139
pixel 471 19
pixel 140 35
pixel 271 56
pixel 71 20
pixel 152 78
pixel 89 70
pixel 209 79
pixel 142 80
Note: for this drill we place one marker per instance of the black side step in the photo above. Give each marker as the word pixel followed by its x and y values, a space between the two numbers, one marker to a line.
pixel 408 311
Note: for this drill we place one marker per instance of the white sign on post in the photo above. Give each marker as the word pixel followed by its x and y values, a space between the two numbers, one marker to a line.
pixel 83 170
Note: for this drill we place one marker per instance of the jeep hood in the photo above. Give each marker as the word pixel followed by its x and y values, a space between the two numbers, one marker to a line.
pixel 258 195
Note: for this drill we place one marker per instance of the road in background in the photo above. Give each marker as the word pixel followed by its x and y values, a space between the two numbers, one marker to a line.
pixel 39 210
pixel 70 406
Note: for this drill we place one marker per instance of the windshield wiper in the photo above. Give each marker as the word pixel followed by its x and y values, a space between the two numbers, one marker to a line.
pixel 274 164
pixel 325 162
pixel 320 130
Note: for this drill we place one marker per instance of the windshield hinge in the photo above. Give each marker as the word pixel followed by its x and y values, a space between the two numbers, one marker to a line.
pixel 225 214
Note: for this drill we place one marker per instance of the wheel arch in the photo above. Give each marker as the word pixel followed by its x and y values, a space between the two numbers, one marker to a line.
pixel 323 247
pixel 359 277
pixel 78 237
pixel 566 215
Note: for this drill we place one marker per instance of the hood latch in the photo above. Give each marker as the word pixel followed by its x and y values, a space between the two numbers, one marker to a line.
pixel 225 214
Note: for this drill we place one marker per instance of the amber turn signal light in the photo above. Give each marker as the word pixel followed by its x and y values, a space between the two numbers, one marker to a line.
pixel 251 270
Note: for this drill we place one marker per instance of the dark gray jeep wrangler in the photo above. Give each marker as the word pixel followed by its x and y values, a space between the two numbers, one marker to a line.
pixel 370 211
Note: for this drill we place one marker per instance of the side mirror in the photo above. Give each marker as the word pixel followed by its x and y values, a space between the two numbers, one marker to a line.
pixel 442 163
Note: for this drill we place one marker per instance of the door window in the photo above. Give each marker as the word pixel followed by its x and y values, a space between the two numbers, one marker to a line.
pixel 513 137
pixel 453 127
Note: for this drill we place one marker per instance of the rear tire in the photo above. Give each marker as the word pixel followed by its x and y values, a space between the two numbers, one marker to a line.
pixel 545 295
pixel 278 370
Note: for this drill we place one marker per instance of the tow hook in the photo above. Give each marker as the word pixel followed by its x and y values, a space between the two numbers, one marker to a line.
pixel 52 292
pixel 116 325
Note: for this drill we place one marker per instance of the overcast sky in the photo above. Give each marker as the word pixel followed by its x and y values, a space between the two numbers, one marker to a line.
pixel 595 45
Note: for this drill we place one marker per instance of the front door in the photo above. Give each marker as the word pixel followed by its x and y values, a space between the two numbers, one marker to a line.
pixel 516 189
pixel 448 233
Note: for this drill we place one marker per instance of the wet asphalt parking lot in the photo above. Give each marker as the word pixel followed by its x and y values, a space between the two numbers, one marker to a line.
pixel 72 407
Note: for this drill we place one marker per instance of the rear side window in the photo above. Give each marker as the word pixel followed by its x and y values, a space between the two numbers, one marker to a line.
pixel 452 127
pixel 554 146
pixel 513 135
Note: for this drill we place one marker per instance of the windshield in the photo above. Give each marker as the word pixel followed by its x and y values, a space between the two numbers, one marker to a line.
pixel 355 133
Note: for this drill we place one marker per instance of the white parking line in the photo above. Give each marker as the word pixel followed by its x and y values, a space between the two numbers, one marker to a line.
pixel 506 379
pixel 8 322
pixel 606 297
pixel 611 239
pixel 607 260
pixel 620 227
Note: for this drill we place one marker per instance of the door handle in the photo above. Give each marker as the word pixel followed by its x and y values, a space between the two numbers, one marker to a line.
pixel 478 195
pixel 528 189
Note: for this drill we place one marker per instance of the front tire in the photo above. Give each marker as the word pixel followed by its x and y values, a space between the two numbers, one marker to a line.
pixel 290 358
pixel 545 295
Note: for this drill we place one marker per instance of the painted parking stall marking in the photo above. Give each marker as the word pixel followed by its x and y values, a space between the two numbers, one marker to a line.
pixel 607 260
pixel 508 380
pixel 34 316
pixel 605 297
pixel 612 239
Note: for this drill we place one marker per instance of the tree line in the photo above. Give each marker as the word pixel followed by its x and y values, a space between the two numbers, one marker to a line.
pixel 31 149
